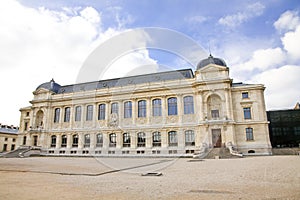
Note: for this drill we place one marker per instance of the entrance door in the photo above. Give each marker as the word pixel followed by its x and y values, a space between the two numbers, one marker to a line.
pixel 35 140
pixel 216 138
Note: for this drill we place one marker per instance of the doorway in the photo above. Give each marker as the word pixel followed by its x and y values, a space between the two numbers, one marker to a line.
pixel 216 138
pixel 35 140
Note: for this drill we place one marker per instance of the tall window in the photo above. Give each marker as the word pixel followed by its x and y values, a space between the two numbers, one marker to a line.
pixel 87 140
pixel 172 136
pixel 63 141
pixel 112 140
pixel 249 134
pixel 53 141
pixel 156 139
pixel 142 108
pixel 99 142
pixel 24 140
pixel 141 139
pixel 126 140
pixel 172 106
pixel 75 141
pixel 156 107
pixel 26 126
pixel 89 113
pixel 189 138
pixel 56 115
pixel 247 113
pixel 128 109
pixel 114 108
pixel 67 114
pixel 101 112
pixel 78 113
pixel 188 102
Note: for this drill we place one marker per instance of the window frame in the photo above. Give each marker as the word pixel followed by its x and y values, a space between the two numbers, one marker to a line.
pixel 172 106
pixel 247 113
pixel 141 139
pixel 188 105
pixel 142 108
pixel 78 111
pixel 128 109
pixel 53 141
pixel 156 139
pixel 75 140
pixel 99 140
pixel 64 140
pixel 101 111
pixel 249 134
pixel 189 136
pixel 67 114
pixel 56 115
pixel 156 108
pixel 112 140
pixel 89 112
pixel 172 139
pixel 126 140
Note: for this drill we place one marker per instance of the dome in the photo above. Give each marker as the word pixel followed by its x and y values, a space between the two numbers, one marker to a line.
pixel 211 60
pixel 51 85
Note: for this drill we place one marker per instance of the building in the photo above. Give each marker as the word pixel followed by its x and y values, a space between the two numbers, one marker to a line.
pixel 284 127
pixel 171 113
pixel 8 138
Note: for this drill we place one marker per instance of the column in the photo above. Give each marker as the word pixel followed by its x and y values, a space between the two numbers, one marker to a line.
pixel 134 110
pixel 148 139
pixel 164 109
pixel 69 140
pixel 164 138
pixel 148 109
pixel 80 140
pixel 133 140
pixel 93 140
pixel 179 108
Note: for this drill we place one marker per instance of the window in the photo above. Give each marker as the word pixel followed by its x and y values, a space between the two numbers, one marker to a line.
pixel 6 139
pixel 26 126
pixel 89 113
pixel 156 107
pixel 141 139
pixel 4 147
pixel 172 136
pixel 126 140
pixel 53 141
pixel 247 113
pixel 245 95
pixel 156 139
pixel 75 141
pixel 142 108
pixel 87 140
pixel 64 141
pixel 14 139
pixel 27 114
pixel 101 112
pixel 112 140
pixel 78 113
pixel 114 108
pixel 24 140
pixel 249 134
pixel 12 147
pixel 99 140
pixel 128 109
pixel 215 114
pixel 67 114
pixel 172 106
pixel 189 138
pixel 188 102
pixel 56 115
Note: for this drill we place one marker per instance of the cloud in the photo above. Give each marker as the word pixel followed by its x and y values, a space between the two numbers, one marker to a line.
pixel 250 11
pixel 282 86
pixel 198 19
pixel 291 41
pixel 287 21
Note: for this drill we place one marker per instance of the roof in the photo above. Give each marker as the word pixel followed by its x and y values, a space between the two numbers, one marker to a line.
pixel 8 129
pixel 124 81
pixel 211 60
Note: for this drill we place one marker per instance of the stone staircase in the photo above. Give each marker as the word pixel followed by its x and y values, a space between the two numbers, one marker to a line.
pixel 220 153
pixel 23 151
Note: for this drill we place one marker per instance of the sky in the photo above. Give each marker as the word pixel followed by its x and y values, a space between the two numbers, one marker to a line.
pixel 41 40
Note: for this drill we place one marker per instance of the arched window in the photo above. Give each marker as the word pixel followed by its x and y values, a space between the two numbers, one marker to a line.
pixel 87 140
pixel 156 107
pixel 64 141
pixel 53 141
pixel 67 114
pixel 78 113
pixel 128 109
pixel 89 113
pixel 99 142
pixel 142 108
pixel 75 141
pixel 112 140
pixel 126 140
pixel 189 138
pixel 188 102
pixel 56 115
pixel 172 137
pixel 141 139
pixel 249 134
pixel 156 139
pixel 114 108
pixel 101 112
pixel 172 106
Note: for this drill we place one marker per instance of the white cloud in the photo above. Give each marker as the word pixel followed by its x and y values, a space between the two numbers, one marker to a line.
pixel 198 19
pixel 250 11
pixel 291 41
pixel 282 86
pixel 39 44
pixel 287 21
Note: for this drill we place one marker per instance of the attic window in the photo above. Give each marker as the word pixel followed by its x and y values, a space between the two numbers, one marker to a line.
pixel 245 95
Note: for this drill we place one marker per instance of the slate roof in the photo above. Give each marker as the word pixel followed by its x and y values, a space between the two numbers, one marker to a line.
pixel 8 129
pixel 211 60
pixel 118 82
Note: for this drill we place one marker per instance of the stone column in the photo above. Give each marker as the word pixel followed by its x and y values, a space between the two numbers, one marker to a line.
pixel 148 139
pixel 164 139
pixel 93 140
pixel 69 140
pixel 80 140
pixel 58 141
pixel 105 140
pixel 179 108
pixel 148 109
pixel 164 109
pixel 133 140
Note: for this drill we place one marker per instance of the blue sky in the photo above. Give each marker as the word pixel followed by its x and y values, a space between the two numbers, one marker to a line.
pixel 40 40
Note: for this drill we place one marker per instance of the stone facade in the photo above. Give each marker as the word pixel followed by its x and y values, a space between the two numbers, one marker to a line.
pixel 8 138
pixel 168 113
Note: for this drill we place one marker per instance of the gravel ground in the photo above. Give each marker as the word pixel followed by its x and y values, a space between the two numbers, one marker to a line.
pixel 270 177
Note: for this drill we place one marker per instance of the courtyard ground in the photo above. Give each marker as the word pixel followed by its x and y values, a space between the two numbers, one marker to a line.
pixel 270 178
